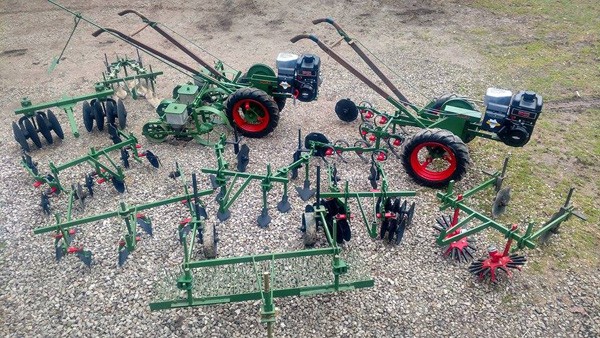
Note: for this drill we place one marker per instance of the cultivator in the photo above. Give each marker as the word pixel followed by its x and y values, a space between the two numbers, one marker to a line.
pixel 105 169
pixel 137 81
pixel 455 237
pixel 438 154
pixel 132 219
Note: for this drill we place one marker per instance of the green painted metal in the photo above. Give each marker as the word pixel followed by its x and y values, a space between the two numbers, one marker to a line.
pixel 104 166
pixel 126 66
pixel 459 204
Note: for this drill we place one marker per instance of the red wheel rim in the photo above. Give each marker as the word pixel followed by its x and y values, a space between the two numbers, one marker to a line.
pixel 250 115
pixel 426 168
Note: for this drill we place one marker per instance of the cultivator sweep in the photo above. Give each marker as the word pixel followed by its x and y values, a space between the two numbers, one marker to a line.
pixel 454 236
pixel 105 169
pixel 438 154
pixel 133 218
pixel 137 81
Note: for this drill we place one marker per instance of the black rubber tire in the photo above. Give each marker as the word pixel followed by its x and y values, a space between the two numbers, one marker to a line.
pixel 88 116
pixel 20 137
pixel 55 125
pixel 98 114
pixel 441 140
pixel 346 110
pixel 309 236
pixel 32 133
pixel 43 126
pixel 121 114
pixel 209 241
pixel 260 100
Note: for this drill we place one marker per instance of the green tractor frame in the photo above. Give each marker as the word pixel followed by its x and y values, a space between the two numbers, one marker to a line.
pixel 437 154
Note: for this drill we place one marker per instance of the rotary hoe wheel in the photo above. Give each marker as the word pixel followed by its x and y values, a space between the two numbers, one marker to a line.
pixel 434 157
pixel 461 250
pixel 490 267
pixel 252 111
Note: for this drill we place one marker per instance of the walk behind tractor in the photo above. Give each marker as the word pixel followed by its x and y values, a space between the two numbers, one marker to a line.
pixel 250 101
pixel 437 154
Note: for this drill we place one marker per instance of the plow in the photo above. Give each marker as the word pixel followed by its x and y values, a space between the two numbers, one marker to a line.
pixel 438 153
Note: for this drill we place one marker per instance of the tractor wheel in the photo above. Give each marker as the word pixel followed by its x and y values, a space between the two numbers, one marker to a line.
pixel 346 110
pixel 32 133
pixel 209 241
pixel 309 237
pixel 54 124
pixel 121 114
pixel 20 137
pixel 434 157
pixel 155 131
pixel 98 114
pixel 42 123
pixel 88 116
pixel 252 111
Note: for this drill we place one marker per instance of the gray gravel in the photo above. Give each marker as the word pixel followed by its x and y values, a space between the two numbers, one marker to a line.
pixel 417 292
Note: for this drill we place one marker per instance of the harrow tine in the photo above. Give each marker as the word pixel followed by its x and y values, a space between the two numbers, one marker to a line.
pixel 123 255
pixel 45 203
pixel 145 223
pixel 114 135
pixel 213 182
pixel 58 252
pixel 243 158
pixel 85 257
pixel 373 177
pixel 125 158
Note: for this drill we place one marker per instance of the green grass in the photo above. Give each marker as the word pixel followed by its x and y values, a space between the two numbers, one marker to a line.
pixel 553 47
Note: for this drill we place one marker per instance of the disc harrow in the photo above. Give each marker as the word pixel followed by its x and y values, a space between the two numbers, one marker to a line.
pixel 455 237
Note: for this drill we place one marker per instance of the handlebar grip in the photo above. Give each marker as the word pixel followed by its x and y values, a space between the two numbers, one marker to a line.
pixel 98 32
pixel 128 11
pixel 304 36
pixel 318 21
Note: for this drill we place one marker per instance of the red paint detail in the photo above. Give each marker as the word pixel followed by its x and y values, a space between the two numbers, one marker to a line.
pixel 73 249
pixel 138 146
pixel 340 216
pixel 296 93
pixel 121 243
pixel 246 104
pixel 72 231
pixel 363 132
pixel 141 154
pixel 101 180
pixel 53 190
pixel 372 138
pixel 421 168
pixel 383 120
pixel 329 152
pixel 381 157
pixel 37 184
pixel 138 238
pixel 369 115
pixel 140 215
pixel 185 221
pixel 397 142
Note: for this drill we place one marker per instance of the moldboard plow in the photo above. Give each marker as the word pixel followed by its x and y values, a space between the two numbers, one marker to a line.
pixel 455 235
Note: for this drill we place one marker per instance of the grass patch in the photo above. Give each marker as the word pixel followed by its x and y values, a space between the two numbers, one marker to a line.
pixel 552 47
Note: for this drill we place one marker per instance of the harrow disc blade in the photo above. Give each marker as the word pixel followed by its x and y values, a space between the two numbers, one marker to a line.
pixel 400 230
pixel 392 228
pixel 384 228
pixel 543 239
pixel 123 255
pixel 20 137
pixel 121 114
pixel 88 116
pixel 243 158
pixel 153 159
pixel 30 163
pixel 500 202
pixel 344 229
pixel 113 134
pixel 411 214
pixel 146 224
pixel 98 114
pixel 346 110
pixel 373 177
pixel 118 184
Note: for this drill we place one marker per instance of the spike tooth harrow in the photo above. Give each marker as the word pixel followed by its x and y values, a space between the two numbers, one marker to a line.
pixel 455 233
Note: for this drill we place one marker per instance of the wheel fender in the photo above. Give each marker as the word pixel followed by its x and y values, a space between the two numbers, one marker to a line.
pixel 214 111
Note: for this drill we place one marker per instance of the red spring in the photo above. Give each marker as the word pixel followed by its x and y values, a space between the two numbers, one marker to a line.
pixel 329 152
pixel 296 93
pixel 387 215
pixel 381 157
pixel 372 138
pixel 397 142
pixel 363 132
pixel 37 184
pixel 53 190
pixel 73 249
pixel 138 146
pixel 140 215
pixel 185 221
pixel 138 238
pixel 383 120
pixel 340 216
pixel 141 154
pixel 183 201
pixel 101 180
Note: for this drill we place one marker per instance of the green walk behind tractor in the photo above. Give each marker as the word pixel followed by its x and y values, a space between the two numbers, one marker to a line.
pixel 250 101
pixel 437 154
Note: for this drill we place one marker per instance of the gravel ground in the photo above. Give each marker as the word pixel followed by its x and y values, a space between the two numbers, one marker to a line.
pixel 417 292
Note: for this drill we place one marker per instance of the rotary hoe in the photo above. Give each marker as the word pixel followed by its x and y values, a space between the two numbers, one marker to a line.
pixel 437 154
pixel 455 233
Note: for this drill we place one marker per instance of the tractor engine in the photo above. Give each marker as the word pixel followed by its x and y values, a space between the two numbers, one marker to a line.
pixel 299 75
pixel 511 117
